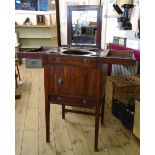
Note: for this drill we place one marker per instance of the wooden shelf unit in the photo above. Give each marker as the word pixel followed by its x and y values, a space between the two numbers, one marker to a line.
pixel 34 36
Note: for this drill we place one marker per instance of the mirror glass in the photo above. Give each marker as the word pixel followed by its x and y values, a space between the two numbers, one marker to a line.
pixel 84 26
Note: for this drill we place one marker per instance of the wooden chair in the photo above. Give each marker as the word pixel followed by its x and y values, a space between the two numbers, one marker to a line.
pixel 17 73
pixel 17 76
pixel 17 70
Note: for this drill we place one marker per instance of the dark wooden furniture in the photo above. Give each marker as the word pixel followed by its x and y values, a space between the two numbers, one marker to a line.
pixel 74 81
pixel 74 77
pixel 84 24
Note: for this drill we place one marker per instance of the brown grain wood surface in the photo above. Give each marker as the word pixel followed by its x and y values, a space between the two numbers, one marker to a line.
pixel 72 136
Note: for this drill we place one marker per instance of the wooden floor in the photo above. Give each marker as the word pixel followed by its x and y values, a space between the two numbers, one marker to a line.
pixel 72 136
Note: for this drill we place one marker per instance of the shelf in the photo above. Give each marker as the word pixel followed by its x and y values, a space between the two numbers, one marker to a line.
pixel 36 32
pixel 52 37
pixel 34 36
pixel 34 26
pixel 30 46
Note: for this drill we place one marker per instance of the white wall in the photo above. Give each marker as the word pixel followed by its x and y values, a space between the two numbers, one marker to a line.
pixel 135 14
pixel 111 22
pixel 93 2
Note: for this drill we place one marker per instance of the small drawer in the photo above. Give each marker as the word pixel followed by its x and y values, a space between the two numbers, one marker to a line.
pixel 53 59
pixel 74 60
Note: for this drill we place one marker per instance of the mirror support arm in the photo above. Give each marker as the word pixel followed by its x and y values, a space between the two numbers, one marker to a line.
pixel 58 23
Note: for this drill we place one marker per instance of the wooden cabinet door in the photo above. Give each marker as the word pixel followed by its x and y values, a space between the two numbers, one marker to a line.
pixel 91 83
pixel 52 79
pixel 70 81
pixel 73 81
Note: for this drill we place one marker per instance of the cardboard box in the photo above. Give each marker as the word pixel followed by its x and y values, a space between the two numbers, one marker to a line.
pixel 33 63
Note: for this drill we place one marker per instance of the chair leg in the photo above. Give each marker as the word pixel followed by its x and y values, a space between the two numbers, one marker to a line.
pixel 63 111
pixel 47 119
pixel 16 82
pixel 16 75
pixel 18 71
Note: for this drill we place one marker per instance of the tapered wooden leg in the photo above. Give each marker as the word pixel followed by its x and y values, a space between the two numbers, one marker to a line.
pixel 47 119
pixel 102 115
pixel 102 110
pixel 97 117
pixel 47 101
pixel 63 111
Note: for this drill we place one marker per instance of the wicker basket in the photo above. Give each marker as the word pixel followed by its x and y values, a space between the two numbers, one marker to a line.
pixel 123 88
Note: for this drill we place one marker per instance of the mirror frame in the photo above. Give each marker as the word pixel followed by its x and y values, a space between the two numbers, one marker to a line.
pixel 71 8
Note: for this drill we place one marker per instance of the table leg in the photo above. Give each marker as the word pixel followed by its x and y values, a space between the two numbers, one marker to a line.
pixel 63 111
pixel 47 118
pixel 102 110
pixel 97 117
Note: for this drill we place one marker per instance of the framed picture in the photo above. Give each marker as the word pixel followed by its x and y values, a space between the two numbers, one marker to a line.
pixel 122 41
pixel 40 19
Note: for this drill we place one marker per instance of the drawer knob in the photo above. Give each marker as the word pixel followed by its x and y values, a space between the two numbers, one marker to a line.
pixel 60 81
pixel 85 61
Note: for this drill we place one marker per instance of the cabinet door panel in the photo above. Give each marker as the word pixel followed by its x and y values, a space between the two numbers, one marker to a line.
pixel 91 83
pixel 53 80
pixel 71 81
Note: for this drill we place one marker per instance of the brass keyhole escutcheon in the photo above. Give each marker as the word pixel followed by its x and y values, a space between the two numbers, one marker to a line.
pixel 60 81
